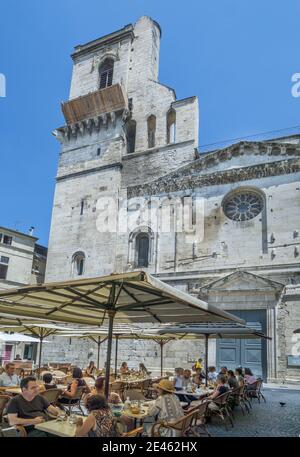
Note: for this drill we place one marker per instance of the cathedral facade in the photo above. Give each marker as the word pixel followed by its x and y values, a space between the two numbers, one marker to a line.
pixel 134 192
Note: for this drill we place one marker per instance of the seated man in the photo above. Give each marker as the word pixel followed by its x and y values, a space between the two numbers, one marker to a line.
pixel 9 378
pixel 30 408
pixel 48 381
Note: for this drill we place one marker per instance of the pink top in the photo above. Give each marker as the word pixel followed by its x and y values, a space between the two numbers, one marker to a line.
pixel 250 379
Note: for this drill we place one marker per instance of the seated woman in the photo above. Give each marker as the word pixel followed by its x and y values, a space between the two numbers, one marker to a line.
pixel 250 379
pixel 124 368
pixel 143 370
pixel 47 380
pixel 240 377
pixel 220 389
pixel 166 407
pixel 77 381
pixel 232 380
pixel 100 421
pixel 91 369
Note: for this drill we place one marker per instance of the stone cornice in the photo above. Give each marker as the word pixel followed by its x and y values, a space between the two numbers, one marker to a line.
pixel 88 171
pixel 177 181
pixel 87 126
pixel 255 148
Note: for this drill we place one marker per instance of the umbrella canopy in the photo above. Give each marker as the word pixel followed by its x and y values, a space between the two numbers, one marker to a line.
pixel 38 329
pixel 128 297
pixel 210 330
pixel 133 297
pixel 16 338
pixel 214 330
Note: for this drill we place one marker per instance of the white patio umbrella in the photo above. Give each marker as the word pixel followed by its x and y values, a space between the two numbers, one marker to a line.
pixel 128 297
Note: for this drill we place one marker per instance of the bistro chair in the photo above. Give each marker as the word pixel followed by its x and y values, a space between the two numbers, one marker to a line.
pixel 240 399
pixel 256 391
pixel 118 388
pixel 180 428
pixel 136 432
pixel 199 427
pixel 223 410
pixel 134 394
pixel 74 402
pixel 4 399
pixel 51 395
pixel 145 386
pixel 13 432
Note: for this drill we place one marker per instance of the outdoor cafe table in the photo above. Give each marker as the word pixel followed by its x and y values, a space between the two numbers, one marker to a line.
pixel 18 391
pixel 13 390
pixel 198 392
pixel 139 416
pixel 60 428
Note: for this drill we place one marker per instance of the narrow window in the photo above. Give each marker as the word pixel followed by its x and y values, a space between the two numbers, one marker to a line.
pixel 78 264
pixel 130 136
pixel 106 71
pixel 81 207
pixel 98 151
pixel 171 126
pixel 7 239
pixel 142 246
pixel 3 267
pixel 151 123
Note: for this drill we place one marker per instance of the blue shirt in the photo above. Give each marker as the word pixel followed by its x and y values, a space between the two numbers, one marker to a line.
pixel 9 381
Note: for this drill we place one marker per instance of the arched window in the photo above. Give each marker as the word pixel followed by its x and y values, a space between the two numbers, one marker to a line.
pixel 106 71
pixel 171 126
pixel 130 135
pixel 78 262
pixel 151 124
pixel 142 249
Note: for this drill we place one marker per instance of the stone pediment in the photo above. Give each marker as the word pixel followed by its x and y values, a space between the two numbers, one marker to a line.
pixel 239 162
pixel 242 281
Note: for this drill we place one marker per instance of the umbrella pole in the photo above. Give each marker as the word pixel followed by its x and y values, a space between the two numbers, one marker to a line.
pixel 98 354
pixel 116 356
pixel 40 357
pixel 206 359
pixel 161 357
pixel 111 315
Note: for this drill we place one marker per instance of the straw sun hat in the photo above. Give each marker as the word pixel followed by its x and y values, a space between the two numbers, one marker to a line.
pixel 166 385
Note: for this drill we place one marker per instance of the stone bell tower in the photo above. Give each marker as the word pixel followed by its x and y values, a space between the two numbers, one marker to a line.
pixel 114 133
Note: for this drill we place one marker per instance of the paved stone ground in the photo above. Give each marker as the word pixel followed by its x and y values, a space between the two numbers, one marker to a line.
pixel 268 419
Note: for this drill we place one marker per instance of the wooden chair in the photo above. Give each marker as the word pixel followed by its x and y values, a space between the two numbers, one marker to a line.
pixel 136 432
pixel 134 394
pixel 15 431
pixel 223 410
pixel 52 395
pixel 145 386
pixel 240 399
pixel 199 426
pixel 74 401
pixel 256 391
pixel 118 388
pixel 182 427
pixel 4 399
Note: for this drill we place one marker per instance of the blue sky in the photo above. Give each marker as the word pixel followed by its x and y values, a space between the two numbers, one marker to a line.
pixel 237 56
